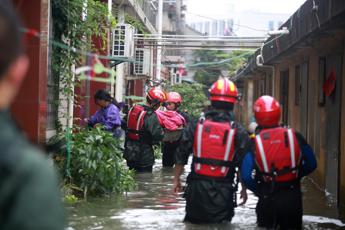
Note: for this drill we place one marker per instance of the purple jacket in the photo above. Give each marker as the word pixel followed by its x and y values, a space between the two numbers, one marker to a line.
pixel 109 117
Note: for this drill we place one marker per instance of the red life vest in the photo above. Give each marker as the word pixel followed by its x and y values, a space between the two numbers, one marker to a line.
pixel 278 154
pixel 135 121
pixel 213 148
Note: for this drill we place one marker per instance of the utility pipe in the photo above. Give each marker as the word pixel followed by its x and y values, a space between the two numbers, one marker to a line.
pixel 159 48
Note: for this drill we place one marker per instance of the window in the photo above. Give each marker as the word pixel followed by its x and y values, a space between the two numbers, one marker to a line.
pixel 139 61
pixel 52 102
pixel 119 41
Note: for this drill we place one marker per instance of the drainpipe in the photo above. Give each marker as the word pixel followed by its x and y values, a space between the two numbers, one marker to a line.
pixel 110 13
pixel 159 40
pixel 260 58
pixel 260 64
pixel 70 107
pixel 120 68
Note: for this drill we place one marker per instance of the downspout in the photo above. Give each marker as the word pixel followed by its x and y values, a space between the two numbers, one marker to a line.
pixel 260 58
pixel 260 64
pixel 159 42
pixel 110 14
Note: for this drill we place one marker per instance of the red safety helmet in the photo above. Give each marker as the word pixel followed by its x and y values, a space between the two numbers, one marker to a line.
pixel 174 97
pixel 156 95
pixel 267 111
pixel 223 90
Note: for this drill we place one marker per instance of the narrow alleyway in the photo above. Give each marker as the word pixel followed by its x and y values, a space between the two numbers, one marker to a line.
pixel 154 206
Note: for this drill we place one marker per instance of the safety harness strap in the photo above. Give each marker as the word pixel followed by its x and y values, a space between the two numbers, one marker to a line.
pixel 274 172
pixel 213 162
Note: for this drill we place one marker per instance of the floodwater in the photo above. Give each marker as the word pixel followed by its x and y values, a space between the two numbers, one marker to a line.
pixel 155 206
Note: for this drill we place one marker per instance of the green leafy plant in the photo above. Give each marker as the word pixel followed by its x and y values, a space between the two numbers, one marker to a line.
pixel 97 166
pixel 71 199
pixel 77 26
pixel 193 96
pixel 157 150
pixel 210 64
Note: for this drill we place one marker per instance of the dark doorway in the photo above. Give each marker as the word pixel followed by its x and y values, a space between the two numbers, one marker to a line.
pixel 284 95
pixel 304 98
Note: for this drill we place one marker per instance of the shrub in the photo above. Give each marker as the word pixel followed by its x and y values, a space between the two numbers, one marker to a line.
pixel 193 95
pixel 96 163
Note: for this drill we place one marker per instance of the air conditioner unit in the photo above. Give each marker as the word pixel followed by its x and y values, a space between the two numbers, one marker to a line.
pixel 123 41
pixel 142 62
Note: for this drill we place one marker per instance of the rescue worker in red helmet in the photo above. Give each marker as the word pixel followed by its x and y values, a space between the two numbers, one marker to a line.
pixel 143 131
pixel 281 158
pixel 218 144
pixel 172 103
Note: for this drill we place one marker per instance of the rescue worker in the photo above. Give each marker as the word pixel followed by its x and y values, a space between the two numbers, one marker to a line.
pixel 108 115
pixel 219 144
pixel 173 103
pixel 281 158
pixel 29 192
pixel 143 131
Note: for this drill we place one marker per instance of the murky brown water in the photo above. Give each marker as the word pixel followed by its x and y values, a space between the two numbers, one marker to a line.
pixel 154 206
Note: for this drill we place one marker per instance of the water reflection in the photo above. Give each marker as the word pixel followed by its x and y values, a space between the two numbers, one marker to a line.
pixel 155 206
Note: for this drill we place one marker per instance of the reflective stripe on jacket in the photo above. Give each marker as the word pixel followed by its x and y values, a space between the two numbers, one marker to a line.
pixel 278 154
pixel 214 148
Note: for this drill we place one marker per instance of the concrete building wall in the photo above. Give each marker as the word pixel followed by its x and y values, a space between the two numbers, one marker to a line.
pixel 317 116
pixel 305 61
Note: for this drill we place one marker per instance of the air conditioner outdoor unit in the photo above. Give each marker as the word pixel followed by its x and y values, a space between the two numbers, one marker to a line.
pixel 142 62
pixel 123 41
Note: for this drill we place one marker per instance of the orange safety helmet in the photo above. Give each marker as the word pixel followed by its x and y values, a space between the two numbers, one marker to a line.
pixel 156 95
pixel 223 90
pixel 174 97
pixel 267 111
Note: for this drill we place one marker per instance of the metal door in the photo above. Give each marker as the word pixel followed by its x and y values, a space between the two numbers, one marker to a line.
pixel 333 63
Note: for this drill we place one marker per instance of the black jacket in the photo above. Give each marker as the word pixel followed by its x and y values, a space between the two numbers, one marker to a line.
pixel 211 200
pixel 140 152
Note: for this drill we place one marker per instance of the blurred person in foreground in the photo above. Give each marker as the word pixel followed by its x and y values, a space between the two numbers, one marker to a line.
pixel 29 193
pixel 218 144
pixel 281 157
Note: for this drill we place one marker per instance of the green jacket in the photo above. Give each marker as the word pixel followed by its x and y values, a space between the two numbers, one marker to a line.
pixel 140 152
pixel 29 193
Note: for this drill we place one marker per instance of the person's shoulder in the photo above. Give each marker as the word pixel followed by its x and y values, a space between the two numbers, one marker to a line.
pixel 31 160
pixel 113 107
pixel 300 138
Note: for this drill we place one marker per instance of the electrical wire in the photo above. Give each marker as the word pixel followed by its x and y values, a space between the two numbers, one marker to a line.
pixel 235 24
pixel 61 45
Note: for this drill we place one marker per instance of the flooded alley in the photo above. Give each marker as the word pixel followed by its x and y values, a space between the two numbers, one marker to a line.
pixel 101 97
pixel 155 206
